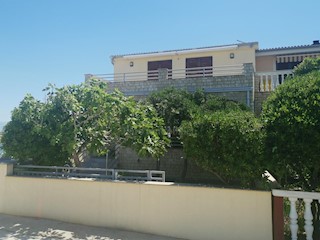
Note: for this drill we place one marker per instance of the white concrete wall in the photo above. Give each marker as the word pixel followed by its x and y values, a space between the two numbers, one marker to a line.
pixel 166 209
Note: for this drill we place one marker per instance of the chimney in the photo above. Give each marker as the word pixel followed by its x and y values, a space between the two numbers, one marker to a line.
pixel 316 42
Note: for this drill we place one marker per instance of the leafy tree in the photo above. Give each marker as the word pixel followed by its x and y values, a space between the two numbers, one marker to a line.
pixel 83 117
pixel 226 143
pixel 291 118
pixel 213 103
pixel 188 111
pixel 22 140
pixel 173 105
pixel 308 65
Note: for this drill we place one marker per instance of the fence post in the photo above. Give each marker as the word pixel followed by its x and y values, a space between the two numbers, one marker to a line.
pixel 162 74
pixel 278 218
pixel 6 167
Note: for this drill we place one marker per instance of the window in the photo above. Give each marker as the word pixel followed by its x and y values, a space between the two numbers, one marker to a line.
pixel 199 67
pixel 287 65
pixel 153 66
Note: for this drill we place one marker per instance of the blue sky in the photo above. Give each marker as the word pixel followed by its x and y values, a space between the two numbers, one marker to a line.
pixel 58 41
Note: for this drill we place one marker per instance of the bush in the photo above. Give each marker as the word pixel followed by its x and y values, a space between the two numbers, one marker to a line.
pixel 228 144
pixel 291 117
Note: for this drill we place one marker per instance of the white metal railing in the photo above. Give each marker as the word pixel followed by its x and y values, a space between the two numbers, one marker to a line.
pixel 268 81
pixel 98 173
pixel 308 198
pixel 171 73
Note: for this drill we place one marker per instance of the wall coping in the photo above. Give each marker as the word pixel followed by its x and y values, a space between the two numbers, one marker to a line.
pixel 160 184
pixel 7 161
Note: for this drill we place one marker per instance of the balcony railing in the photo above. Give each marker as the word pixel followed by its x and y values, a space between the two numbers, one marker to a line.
pixel 162 74
pixel 307 198
pixel 268 81
pixel 94 173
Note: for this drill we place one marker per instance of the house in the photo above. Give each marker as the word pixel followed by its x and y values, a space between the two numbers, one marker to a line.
pixel 240 72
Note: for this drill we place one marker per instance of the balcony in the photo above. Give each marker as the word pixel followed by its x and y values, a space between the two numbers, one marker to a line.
pixel 167 74
pixel 294 197
pixel 268 81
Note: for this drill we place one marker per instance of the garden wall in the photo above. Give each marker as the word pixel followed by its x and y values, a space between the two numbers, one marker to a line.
pixel 180 211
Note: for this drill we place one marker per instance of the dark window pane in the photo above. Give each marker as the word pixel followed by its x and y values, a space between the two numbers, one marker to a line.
pixel 155 65
pixel 197 67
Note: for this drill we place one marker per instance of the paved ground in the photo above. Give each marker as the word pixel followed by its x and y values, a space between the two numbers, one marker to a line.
pixel 13 227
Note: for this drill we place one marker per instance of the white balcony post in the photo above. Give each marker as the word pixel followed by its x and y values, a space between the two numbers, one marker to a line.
pixel 261 83
pixel 308 227
pixel 293 218
pixel 274 82
pixel 124 77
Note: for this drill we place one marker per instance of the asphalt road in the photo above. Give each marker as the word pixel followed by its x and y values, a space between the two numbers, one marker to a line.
pixel 15 227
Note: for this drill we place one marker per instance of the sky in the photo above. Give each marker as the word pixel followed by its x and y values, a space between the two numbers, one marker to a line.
pixel 58 41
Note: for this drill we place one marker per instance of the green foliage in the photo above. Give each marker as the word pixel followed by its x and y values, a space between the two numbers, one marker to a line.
pixel 173 105
pixel 291 118
pixel 213 103
pixel 226 143
pixel 220 135
pixel 23 140
pixel 308 65
pixel 81 117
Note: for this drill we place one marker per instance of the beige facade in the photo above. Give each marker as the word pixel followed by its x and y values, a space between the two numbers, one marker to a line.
pixel 222 56
pixel 187 212
pixel 265 63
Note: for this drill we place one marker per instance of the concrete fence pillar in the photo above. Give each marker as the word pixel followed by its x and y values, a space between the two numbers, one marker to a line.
pixel 87 77
pixel 6 167
pixel 162 74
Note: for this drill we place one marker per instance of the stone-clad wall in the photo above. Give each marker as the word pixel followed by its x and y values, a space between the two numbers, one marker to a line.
pixel 234 87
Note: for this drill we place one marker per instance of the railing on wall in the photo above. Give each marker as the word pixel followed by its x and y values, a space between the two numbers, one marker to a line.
pixel 268 81
pixel 96 173
pixel 159 74
pixel 307 198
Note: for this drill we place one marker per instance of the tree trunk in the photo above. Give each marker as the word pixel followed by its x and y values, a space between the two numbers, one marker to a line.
pixel 158 164
pixel 76 160
pixel 79 156
pixel 315 207
pixel 185 168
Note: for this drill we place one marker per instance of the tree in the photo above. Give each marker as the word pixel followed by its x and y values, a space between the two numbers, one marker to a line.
pixel 177 106
pixel 291 117
pixel 173 105
pixel 226 143
pixel 308 65
pixel 22 140
pixel 83 117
